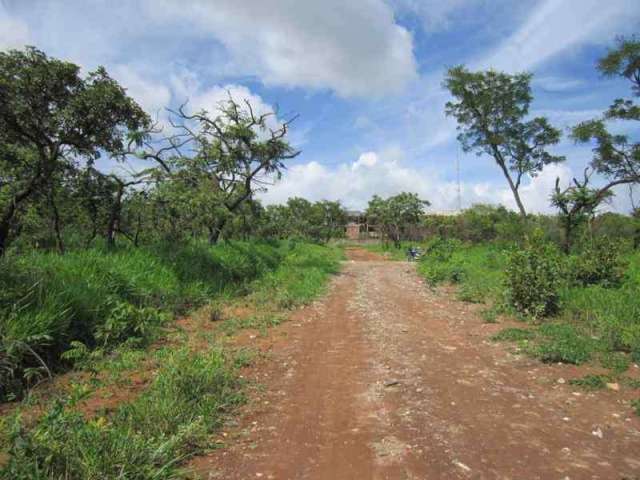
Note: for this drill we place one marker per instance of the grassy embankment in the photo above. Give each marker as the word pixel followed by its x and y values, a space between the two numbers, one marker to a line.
pixel 117 303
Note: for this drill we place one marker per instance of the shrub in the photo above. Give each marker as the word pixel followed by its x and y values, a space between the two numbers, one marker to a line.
pixel 600 263
pixel 441 249
pixel 533 279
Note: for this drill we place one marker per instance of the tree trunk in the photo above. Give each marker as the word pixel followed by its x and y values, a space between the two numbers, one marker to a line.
pixel 568 234
pixel 56 222
pixel 215 231
pixel 514 190
pixel 114 218
pixel 4 234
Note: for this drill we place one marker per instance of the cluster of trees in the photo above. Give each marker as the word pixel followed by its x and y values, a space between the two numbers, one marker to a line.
pixel 396 216
pixel 199 174
pixel 492 108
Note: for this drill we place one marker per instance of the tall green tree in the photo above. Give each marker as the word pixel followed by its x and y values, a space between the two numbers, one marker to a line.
pixel 50 117
pixel 491 109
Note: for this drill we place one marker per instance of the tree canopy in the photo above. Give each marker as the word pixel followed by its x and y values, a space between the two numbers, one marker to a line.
pixel 491 109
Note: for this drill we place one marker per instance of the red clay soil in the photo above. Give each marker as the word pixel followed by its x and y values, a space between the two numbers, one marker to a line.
pixel 385 378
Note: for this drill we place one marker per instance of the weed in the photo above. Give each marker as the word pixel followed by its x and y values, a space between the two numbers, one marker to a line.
pixel 562 343
pixel 514 335
pixel 147 438
pixel 591 382
pixel 618 362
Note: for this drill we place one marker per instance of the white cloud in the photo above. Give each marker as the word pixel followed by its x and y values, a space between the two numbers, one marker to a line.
pixel 436 15
pixel 557 84
pixel 151 96
pixel 354 48
pixel 14 33
pixel 555 26
pixel 384 173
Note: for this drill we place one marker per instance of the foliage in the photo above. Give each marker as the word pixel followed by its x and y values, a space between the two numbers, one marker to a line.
pixel 146 438
pixel 616 156
pixel 599 263
pixel 396 214
pixel 577 204
pixel 533 276
pixel 299 218
pixel 50 117
pixel 490 108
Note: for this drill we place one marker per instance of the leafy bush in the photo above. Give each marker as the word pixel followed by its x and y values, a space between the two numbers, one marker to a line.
pixel 441 249
pixel 600 263
pixel 533 279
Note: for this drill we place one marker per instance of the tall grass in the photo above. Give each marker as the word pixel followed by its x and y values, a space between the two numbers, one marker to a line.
pixel 174 419
pixel 101 298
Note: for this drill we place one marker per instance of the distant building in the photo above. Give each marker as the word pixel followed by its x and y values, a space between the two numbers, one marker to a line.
pixel 358 227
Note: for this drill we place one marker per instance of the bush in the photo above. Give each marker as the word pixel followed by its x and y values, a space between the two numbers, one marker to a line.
pixel 533 279
pixel 600 263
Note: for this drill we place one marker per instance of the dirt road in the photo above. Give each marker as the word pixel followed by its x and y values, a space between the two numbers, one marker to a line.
pixel 384 378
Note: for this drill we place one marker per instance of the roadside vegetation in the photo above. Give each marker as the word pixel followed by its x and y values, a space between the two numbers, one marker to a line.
pixel 193 389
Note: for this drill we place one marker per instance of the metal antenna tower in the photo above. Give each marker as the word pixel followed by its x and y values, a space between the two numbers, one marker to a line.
pixel 458 178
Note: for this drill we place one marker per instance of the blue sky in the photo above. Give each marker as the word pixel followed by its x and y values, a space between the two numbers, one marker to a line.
pixel 364 75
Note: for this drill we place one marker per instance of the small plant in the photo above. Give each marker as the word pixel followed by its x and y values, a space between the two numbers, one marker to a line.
pixel 564 344
pixel 590 382
pixel 618 362
pixel 514 335
pixel 533 279
pixel 636 405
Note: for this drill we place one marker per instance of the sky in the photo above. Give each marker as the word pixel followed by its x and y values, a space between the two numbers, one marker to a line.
pixel 363 76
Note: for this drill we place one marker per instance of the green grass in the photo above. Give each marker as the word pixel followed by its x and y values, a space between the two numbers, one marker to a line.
pixel 591 382
pixel 514 335
pixel 147 438
pixel 98 299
